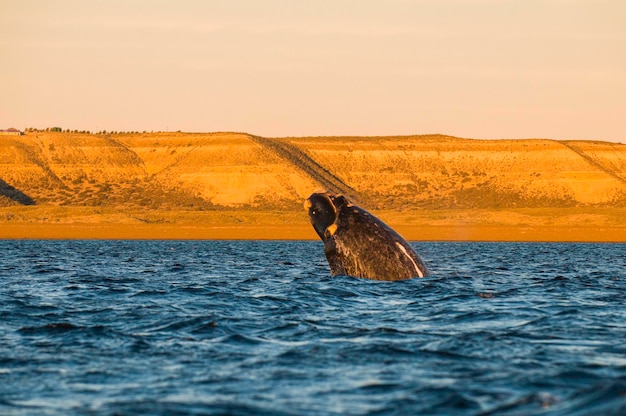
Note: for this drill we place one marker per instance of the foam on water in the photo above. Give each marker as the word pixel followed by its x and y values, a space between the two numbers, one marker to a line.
pixel 258 327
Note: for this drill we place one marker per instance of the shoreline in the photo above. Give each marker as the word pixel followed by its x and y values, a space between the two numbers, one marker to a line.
pixel 470 233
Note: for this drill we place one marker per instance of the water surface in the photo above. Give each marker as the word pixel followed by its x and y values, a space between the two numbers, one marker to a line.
pixel 259 327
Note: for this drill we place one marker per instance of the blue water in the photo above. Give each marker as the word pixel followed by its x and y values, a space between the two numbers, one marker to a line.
pixel 207 327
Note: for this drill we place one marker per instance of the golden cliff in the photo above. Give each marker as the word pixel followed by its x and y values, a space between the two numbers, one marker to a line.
pixel 238 179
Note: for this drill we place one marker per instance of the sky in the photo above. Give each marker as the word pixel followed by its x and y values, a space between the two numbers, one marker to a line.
pixel 468 68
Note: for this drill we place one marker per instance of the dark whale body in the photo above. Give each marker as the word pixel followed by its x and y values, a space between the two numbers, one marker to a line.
pixel 358 244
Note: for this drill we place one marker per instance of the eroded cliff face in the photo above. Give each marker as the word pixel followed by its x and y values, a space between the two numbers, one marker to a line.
pixel 446 172
pixel 228 170
pixel 159 171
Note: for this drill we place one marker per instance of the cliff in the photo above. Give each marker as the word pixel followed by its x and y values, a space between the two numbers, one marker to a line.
pixel 212 171
pixel 192 173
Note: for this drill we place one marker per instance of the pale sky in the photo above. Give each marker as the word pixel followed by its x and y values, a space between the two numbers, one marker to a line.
pixel 470 68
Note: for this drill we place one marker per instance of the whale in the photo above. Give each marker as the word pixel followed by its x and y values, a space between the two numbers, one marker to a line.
pixel 358 244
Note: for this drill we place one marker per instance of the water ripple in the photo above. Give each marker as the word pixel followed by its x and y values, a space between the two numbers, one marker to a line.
pixel 259 327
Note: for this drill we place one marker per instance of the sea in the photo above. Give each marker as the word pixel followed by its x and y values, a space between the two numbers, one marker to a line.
pixel 261 328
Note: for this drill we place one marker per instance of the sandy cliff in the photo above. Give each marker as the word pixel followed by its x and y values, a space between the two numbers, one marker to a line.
pixel 175 176
pixel 445 172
